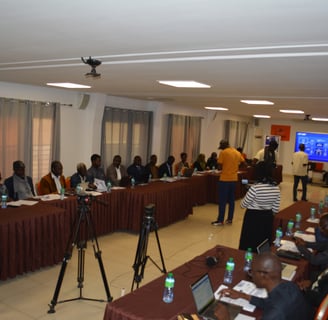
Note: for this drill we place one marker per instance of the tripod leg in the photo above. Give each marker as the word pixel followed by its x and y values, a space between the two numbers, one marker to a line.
pixel 160 250
pixel 141 255
pixel 80 266
pixel 103 274
pixel 59 283
pixel 97 252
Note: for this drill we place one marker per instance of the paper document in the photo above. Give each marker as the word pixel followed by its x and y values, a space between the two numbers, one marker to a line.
pixel 49 197
pixel 288 271
pixel 19 203
pixel 100 184
pixel 306 237
pixel 246 287
pixel 310 230
pixel 288 246
pixel 312 220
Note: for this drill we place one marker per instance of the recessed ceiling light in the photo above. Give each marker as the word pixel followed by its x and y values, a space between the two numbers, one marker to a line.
pixel 68 85
pixel 319 119
pixel 216 108
pixel 261 116
pixel 291 111
pixel 262 102
pixel 184 84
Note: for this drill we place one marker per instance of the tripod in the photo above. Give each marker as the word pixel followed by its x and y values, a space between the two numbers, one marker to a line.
pixel 79 238
pixel 141 257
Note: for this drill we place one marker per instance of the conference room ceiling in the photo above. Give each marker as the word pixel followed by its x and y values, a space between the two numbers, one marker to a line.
pixel 275 50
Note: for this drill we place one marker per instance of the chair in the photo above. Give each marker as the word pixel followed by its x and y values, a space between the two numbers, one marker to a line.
pixel 322 312
pixel 68 182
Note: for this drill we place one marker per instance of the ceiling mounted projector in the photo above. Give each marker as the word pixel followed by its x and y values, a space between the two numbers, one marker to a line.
pixel 93 63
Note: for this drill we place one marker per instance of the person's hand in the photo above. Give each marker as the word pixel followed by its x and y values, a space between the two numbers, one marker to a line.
pixel 233 294
pixel 299 241
pixel 221 312
pixel 304 284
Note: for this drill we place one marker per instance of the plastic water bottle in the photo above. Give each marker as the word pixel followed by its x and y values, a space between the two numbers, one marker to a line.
pixel 133 182
pixel 168 294
pixel 228 274
pixel 78 189
pixel 179 175
pixel 4 198
pixel 298 219
pixel 321 208
pixel 109 187
pixel 277 241
pixel 289 231
pixel 149 178
pixel 248 260
pixel 165 177
pixel 62 193
pixel 195 172
pixel 312 213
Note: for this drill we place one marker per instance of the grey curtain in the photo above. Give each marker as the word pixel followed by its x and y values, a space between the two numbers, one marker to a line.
pixel 183 136
pixel 127 133
pixel 29 131
pixel 236 133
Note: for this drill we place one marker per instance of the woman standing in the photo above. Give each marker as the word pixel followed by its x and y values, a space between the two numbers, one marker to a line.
pixel 261 201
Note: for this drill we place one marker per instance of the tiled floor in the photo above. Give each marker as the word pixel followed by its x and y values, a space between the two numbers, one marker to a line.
pixel 27 297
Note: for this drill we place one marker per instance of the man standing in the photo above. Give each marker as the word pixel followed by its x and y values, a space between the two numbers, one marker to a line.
pixel 300 163
pixel 229 161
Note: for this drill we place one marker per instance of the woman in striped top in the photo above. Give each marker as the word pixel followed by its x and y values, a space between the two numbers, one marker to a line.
pixel 261 201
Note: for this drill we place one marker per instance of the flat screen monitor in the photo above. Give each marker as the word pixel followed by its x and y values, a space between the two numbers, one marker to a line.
pixel 316 145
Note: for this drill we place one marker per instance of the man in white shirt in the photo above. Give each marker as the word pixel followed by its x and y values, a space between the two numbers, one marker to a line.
pixel 300 162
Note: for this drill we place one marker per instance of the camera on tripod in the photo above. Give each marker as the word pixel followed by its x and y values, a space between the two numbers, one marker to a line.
pixel 84 199
pixel 149 211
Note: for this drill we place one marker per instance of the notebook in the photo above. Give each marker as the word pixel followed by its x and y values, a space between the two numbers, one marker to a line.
pixel 203 294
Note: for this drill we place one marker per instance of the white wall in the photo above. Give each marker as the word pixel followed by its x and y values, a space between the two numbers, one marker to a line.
pixel 81 129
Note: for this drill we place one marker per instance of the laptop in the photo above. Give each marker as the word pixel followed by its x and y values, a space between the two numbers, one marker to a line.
pixel 264 246
pixel 188 172
pixel 203 294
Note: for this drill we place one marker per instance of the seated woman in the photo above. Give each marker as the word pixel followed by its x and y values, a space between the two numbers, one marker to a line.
pixel 261 201
pixel 200 163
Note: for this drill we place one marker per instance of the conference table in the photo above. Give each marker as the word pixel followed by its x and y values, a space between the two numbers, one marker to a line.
pixel 303 207
pixel 146 301
pixel 31 238
pixel 35 236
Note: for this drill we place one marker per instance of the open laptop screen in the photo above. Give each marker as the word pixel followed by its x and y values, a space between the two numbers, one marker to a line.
pixel 202 292
pixel 264 246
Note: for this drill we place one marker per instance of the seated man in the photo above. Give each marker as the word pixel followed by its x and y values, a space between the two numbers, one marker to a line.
pixel 54 181
pixel 96 171
pixel 81 177
pixel 116 171
pixel 285 300
pixel 151 167
pixel 315 291
pixel 166 167
pixel 320 257
pixel 182 165
pixel 137 171
pixel 19 185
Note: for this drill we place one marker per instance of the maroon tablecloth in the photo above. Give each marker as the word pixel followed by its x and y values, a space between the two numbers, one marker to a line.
pixel 146 302
pixel 31 237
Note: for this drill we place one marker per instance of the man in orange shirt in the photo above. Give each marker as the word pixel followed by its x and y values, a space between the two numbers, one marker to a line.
pixel 229 161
